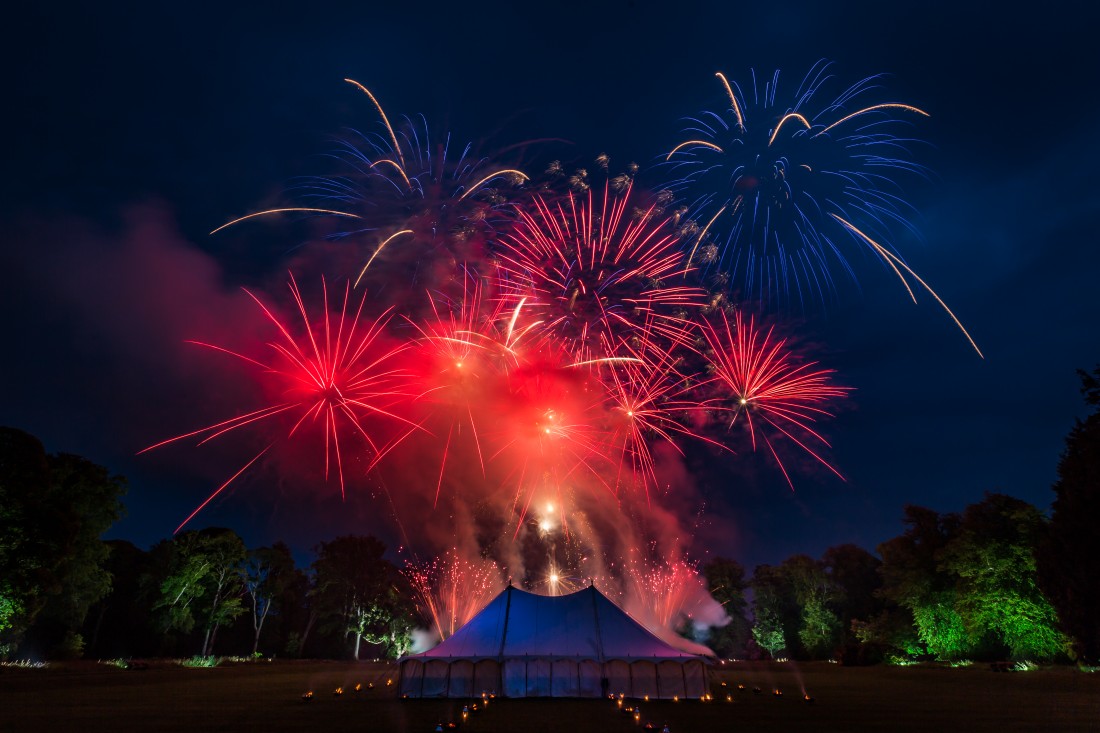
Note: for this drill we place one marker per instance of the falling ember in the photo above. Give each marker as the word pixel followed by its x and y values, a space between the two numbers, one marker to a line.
pixel 337 375
pixel 668 589
pixel 452 590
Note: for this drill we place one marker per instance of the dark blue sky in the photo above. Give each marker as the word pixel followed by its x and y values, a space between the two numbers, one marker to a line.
pixel 131 133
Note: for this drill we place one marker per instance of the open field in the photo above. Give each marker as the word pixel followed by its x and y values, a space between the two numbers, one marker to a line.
pixel 261 696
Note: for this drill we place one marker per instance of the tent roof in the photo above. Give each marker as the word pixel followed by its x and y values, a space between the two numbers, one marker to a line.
pixel 581 625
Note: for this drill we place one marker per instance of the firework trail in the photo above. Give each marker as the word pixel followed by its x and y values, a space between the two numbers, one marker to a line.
pixel 419 208
pixel 755 380
pixel 337 375
pixel 451 590
pixel 603 279
pixel 762 180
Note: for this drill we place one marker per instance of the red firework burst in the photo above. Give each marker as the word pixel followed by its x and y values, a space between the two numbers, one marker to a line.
pixel 757 379
pixel 597 278
pixel 337 376
pixel 644 401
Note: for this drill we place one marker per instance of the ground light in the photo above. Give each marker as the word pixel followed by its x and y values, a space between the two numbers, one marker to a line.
pixel 308 696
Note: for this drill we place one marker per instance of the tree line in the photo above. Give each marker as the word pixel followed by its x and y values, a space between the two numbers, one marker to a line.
pixel 65 593
pixel 998 580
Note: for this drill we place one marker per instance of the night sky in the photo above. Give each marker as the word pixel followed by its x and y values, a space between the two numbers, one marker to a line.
pixel 130 134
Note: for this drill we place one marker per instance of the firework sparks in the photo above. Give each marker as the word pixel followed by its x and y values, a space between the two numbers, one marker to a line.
pixel 338 376
pixel 452 590
pixel 597 279
pixel 781 174
pixel 668 589
pixel 756 381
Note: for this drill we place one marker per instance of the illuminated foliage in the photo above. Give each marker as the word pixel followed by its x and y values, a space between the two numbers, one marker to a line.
pixel 774 612
pixel 201 583
pixel 993 558
pixel 355 589
pixel 912 579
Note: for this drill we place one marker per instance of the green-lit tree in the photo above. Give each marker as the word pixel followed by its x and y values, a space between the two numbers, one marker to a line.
pixel 1068 556
pixel 726 583
pixel 815 594
pixel 354 586
pixel 775 611
pixel 993 558
pixel 201 583
pixel 912 579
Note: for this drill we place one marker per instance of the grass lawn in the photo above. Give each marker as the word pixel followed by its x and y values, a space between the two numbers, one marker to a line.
pixel 261 696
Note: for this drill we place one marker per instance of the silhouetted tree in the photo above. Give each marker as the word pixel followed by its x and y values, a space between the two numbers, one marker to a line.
pixel 28 556
pixel 120 624
pixel 1068 558
pixel 52 511
pixel 88 500
pixel 726 583
pixel 267 575
pixel 855 574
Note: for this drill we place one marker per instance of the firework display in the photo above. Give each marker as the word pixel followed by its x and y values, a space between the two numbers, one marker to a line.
pixel 532 358
pixel 764 175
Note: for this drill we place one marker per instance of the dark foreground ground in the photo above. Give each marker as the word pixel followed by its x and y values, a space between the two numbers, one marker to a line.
pixel 86 697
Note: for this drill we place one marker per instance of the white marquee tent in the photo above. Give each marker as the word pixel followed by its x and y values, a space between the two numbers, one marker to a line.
pixel 576 645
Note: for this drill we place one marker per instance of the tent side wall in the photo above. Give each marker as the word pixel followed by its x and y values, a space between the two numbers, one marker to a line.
pixel 565 678
pixel 670 679
pixel 515 678
pixel 461 679
pixel 643 679
pixel 412 678
pixel 487 677
pixel 695 679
